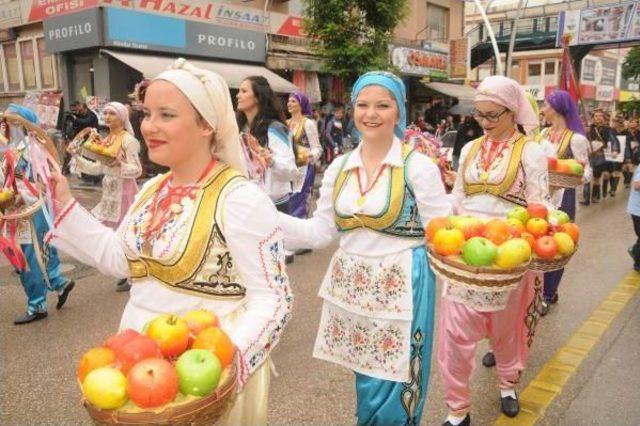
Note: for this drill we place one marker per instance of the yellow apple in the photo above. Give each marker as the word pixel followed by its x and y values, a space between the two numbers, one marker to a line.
pixel 106 388
pixel 566 246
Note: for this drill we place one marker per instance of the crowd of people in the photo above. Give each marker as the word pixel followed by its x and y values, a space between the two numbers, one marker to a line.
pixel 215 231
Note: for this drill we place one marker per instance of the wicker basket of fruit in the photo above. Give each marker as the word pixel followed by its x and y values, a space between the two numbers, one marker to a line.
pixel 565 173
pixel 90 145
pixel 480 260
pixel 182 371
pixel 7 198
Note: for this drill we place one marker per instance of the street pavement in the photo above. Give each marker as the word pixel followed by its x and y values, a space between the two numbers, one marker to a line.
pixel 38 361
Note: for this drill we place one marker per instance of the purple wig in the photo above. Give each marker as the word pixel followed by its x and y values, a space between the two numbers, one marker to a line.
pixel 302 99
pixel 563 104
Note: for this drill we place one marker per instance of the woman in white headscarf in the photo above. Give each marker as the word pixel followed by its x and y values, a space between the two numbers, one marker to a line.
pixel 191 240
pixel 119 186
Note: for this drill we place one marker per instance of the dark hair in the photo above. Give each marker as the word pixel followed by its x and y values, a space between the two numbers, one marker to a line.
pixel 269 110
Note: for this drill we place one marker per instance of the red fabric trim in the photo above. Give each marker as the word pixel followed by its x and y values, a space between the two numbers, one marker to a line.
pixel 64 213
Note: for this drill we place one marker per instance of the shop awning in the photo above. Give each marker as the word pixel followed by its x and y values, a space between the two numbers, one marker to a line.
pixel 462 92
pixel 152 65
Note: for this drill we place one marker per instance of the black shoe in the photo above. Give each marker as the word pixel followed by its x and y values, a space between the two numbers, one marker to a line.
pixel 489 360
pixel 630 251
pixel 544 309
pixel 585 202
pixel 612 194
pixel 554 299
pixel 62 298
pixel 465 422
pixel 27 318
pixel 510 406
pixel 302 251
pixel 123 285
pixel 288 259
pixel 595 200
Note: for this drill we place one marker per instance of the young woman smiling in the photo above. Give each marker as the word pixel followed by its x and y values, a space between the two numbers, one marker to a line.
pixel 498 171
pixel 379 290
pixel 170 243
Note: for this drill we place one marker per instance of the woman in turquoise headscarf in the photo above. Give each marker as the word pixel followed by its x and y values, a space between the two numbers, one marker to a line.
pixel 379 291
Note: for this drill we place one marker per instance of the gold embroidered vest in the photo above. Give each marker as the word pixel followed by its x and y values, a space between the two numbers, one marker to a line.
pixel 512 186
pixel 205 266
pixel 564 150
pixel 399 217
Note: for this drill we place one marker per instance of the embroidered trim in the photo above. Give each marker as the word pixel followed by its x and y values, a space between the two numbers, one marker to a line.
pixel 533 311
pixel 410 395
pixel 64 213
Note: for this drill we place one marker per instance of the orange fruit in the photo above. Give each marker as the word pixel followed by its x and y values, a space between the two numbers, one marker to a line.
pixel 92 359
pixel 216 340
pixel 573 230
pixel 497 231
pixel 433 226
pixel 448 241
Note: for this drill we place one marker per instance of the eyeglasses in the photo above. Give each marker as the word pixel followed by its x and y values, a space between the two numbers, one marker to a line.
pixel 491 117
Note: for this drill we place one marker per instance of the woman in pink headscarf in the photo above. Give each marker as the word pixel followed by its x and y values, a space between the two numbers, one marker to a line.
pixel 498 171
pixel 119 186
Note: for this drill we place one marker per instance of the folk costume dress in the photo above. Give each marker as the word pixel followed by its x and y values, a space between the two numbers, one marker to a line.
pixel 119 182
pixel 566 144
pixel 493 178
pixel 279 176
pixel 41 273
pixel 306 139
pixel 379 291
pixel 217 247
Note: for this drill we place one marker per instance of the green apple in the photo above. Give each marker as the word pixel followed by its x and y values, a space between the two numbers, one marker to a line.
pixel 558 217
pixel 199 372
pixel 106 388
pixel 479 251
pixel 576 169
pixel 519 213
pixel 457 221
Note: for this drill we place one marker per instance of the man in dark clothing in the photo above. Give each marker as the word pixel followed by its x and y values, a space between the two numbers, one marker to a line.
pixel 469 130
pixel 334 134
pixel 84 118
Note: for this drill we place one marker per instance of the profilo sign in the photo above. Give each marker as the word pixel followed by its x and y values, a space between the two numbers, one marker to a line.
pixel 146 31
pixel 152 32
pixel 73 31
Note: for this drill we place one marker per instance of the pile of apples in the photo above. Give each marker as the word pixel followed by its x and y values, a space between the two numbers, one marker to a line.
pixel 504 243
pixel 551 234
pixel 173 358
pixel 476 242
pixel 107 151
pixel 566 167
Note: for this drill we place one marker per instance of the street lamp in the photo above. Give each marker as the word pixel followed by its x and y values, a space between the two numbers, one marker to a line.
pixel 494 43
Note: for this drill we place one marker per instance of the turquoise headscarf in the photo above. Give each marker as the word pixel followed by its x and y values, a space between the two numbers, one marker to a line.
pixel 23 112
pixel 393 84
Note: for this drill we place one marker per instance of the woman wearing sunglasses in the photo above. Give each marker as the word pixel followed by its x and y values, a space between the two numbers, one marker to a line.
pixel 499 171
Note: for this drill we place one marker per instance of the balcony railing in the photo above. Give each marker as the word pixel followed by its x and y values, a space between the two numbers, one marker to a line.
pixel 528 29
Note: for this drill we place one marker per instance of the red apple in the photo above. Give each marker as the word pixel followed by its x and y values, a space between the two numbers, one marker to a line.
pixel 471 227
pixel 546 247
pixel 515 227
pixel 170 332
pixel 118 340
pixel 552 163
pixel 152 382
pixel 537 227
pixel 141 347
pixel 537 210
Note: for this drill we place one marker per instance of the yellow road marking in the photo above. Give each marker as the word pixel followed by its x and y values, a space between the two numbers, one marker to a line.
pixel 548 384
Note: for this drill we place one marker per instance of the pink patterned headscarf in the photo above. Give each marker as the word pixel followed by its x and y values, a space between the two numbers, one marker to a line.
pixel 123 114
pixel 508 93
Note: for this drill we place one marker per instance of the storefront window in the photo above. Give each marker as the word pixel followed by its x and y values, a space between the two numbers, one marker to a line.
pixel 437 22
pixel 46 66
pixel 28 64
pixel 534 70
pixel 550 72
pixel 11 60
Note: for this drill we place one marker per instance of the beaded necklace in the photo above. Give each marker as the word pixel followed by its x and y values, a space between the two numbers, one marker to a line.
pixel 490 151
pixel 363 194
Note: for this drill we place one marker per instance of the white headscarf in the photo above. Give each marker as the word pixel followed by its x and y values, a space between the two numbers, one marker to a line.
pixel 209 95
pixel 123 114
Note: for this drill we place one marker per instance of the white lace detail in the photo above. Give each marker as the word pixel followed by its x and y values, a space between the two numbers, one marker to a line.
pixel 483 299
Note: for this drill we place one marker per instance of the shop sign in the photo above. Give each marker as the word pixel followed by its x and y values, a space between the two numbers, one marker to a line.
pixel 604 93
pixel 127 28
pixel 73 31
pixel 229 15
pixel 44 9
pixel 10 15
pixel 459 51
pixel 420 62
pixel 600 25
pixel 626 95
pixel 599 71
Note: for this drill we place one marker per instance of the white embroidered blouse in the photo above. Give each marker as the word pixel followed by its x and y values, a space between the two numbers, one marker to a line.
pixel 249 224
